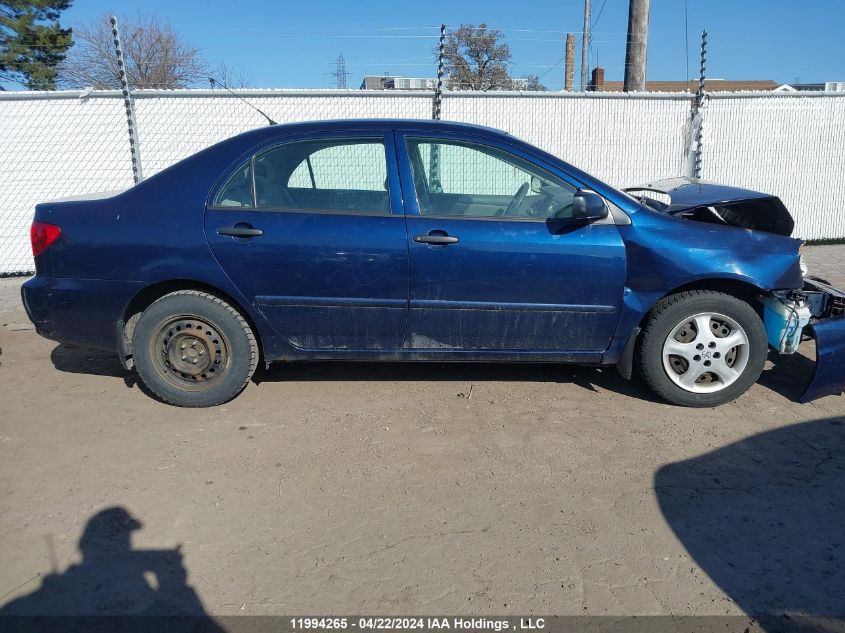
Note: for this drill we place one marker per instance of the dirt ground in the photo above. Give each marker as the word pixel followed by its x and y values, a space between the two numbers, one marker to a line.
pixel 390 488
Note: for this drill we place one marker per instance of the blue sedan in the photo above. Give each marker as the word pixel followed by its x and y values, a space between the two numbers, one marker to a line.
pixel 431 241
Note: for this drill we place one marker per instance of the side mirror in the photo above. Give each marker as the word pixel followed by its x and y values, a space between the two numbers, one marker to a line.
pixel 588 206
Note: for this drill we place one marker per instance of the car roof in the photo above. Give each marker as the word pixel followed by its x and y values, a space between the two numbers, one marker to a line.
pixel 401 125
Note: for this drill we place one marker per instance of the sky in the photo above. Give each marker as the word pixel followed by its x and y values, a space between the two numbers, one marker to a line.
pixel 294 44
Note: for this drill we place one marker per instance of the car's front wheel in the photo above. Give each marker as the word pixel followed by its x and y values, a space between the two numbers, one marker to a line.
pixel 702 348
pixel 192 349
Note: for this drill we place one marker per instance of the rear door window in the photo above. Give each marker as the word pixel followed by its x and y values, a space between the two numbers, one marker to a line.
pixel 336 175
pixel 237 192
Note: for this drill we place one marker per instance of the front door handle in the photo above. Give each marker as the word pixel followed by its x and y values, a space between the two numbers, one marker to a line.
pixel 240 230
pixel 441 238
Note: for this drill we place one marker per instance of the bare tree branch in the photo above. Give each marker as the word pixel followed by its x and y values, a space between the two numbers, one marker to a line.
pixel 155 56
pixel 476 58
pixel 232 76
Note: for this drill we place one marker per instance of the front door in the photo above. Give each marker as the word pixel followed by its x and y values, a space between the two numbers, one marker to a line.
pixel 312 232
pixel 497 263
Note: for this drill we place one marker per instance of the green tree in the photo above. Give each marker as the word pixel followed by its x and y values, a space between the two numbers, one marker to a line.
pixel 32 42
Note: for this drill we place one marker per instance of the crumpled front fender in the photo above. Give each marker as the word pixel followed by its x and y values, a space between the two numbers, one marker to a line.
pixel 829 377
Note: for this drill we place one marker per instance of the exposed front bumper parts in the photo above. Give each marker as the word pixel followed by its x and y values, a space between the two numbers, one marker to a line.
pixel 829 331
pixel 829 377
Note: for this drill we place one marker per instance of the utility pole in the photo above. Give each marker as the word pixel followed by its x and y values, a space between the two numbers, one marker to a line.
pixel 635 53
pixel 340 72
pixel 569 65
pixel 585 45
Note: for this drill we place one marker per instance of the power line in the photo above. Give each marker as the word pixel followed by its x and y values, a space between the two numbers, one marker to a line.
pixel 598 17
pixel 550 69
pixel 334 28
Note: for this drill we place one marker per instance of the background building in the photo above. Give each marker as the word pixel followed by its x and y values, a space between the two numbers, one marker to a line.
pixel 393 82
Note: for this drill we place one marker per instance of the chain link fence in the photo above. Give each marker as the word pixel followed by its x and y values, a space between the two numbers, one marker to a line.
pixel 58 144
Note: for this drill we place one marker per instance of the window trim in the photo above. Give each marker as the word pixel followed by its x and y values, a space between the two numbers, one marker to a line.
pixel 312 211
pixel 252 176
pixel 310 172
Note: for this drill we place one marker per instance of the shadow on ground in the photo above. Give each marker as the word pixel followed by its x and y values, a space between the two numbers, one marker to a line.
pixel 764 517
pixel 94 362
pixel 115 580
pixel 788 375
pixel 589 378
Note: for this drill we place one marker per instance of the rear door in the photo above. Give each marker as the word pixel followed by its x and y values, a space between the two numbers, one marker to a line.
pixel 312 231
pixel 496 261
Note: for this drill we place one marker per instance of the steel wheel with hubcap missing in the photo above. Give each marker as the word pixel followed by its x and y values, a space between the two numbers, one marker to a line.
pixel 705 353
pixel 193 349
pixel 190 352
pixel 702 348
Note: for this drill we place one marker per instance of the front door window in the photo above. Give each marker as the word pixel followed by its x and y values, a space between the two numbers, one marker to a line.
pixel 458 179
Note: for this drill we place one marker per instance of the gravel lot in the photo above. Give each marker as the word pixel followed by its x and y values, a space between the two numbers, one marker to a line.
pixel 389 488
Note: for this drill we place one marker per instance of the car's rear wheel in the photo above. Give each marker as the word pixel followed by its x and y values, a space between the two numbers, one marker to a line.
pixel 193 349
pixel 702 348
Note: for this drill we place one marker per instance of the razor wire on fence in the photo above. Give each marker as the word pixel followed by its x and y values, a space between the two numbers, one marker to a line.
pixel 59 144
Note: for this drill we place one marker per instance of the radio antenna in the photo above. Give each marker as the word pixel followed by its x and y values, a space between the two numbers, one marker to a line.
pixel 214 82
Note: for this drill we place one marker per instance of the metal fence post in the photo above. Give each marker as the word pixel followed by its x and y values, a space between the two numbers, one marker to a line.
pixel 699 102
pixel 129 104
pixel 438 88
pixel 434 157
pixel 692 148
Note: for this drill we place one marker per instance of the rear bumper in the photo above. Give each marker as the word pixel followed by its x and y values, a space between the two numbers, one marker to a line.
pixel 77 311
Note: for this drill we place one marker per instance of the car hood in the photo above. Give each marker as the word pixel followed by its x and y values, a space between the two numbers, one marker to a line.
pixel 703 201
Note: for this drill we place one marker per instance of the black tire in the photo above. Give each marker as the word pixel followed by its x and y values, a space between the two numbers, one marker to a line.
pixel 192 349
pixel 667 314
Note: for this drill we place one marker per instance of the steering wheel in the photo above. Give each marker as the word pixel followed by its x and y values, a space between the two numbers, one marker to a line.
pixel 518 197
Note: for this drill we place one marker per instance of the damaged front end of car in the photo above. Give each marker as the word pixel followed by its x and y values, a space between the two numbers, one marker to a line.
pixel 816 310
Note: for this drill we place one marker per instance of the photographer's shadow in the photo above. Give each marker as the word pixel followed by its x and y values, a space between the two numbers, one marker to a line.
pixel 763 517
pixel 115 580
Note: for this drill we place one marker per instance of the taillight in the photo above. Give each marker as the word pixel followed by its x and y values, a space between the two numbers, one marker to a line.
pixel 42 235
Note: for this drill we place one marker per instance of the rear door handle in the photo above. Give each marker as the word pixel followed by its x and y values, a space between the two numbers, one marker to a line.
pixel 436 238
pixel 240 231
